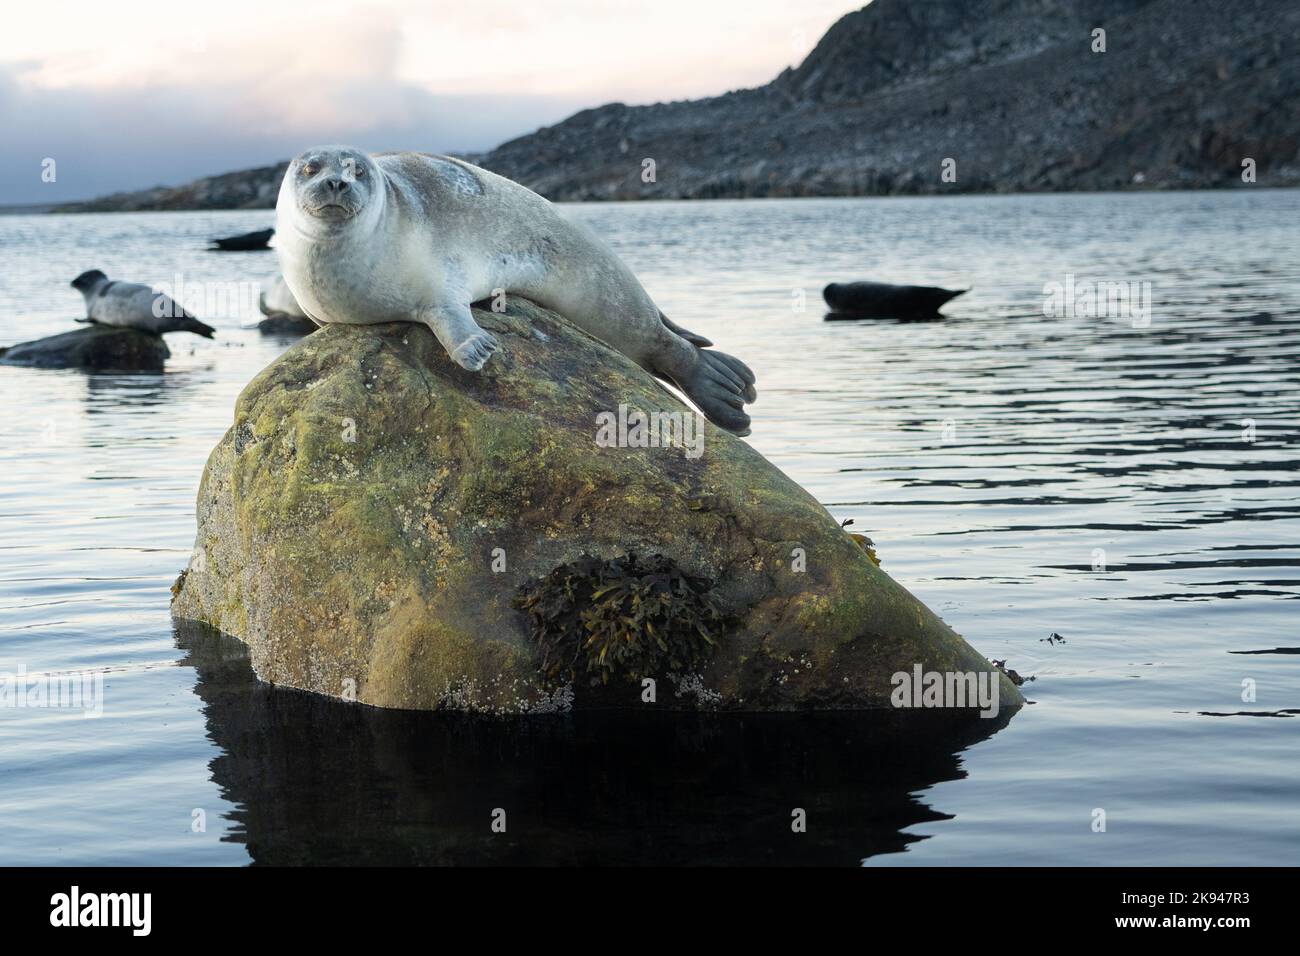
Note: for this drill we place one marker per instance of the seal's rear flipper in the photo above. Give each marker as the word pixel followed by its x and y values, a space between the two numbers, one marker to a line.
pixel 191 324
pixel 689 336
pixel 720 386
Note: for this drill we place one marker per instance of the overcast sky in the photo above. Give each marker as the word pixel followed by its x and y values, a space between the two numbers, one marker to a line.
pixel 141 92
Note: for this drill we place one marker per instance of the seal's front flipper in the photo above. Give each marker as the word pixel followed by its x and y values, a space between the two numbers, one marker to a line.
pixel 475 351
pixel 468 345
pixel 720 385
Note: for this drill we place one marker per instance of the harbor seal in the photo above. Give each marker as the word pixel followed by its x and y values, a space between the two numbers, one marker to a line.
pixel 135 306
pixel 413 237
pixel 276 299
pixel 245 242
pixel 869 299
pixel 284 316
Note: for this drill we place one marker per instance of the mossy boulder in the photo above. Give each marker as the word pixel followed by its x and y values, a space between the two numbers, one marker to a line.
pixel 377 522
pixel 95 347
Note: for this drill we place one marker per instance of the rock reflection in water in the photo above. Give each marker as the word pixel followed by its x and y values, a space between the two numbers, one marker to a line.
pixel 318 781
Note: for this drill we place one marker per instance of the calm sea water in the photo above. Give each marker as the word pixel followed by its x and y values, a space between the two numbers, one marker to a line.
pixel 1128 481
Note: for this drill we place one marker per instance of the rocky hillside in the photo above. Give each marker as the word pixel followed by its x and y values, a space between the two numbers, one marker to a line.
pixel 246 189
pixel 1010 90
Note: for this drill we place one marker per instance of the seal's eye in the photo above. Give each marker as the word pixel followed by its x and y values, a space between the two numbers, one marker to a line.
pixel 359 172
pixel 310 169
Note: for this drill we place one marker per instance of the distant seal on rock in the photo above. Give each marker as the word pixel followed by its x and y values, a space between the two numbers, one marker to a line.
pixel 283 313
pixel 277 299
pixel 135 306
pixel 412 237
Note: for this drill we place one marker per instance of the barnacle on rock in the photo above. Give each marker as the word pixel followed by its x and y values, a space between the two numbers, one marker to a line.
pixel 626 617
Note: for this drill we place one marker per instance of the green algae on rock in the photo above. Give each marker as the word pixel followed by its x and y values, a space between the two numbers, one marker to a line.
pixel 371 519
pixel 629 618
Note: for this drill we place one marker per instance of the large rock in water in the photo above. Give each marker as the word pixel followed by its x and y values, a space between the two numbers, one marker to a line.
pixel 375 517
pixel 95 347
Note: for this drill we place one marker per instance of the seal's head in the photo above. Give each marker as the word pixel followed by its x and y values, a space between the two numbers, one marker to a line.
pixel 88 280
pixel 330 187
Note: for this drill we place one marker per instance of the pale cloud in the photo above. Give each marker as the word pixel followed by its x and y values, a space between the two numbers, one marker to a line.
pixel 148 91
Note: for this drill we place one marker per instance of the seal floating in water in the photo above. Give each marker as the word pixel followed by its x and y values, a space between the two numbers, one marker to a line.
pixel 879 299
pixel 135 306
pixel 411 237
pixel 245 242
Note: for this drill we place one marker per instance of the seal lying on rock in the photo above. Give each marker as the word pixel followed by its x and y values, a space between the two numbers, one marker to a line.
pixel 412 237
pixel 135 306
pixel 282 311
pixel 276 299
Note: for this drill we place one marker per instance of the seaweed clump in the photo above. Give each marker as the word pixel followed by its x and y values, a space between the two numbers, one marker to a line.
pixel 625 617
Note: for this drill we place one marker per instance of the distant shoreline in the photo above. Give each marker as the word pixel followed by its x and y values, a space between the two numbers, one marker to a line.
pixel 1145 189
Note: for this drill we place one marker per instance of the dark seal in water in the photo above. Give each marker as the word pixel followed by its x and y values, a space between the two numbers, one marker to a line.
pixel 882 300
pixel 247 242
